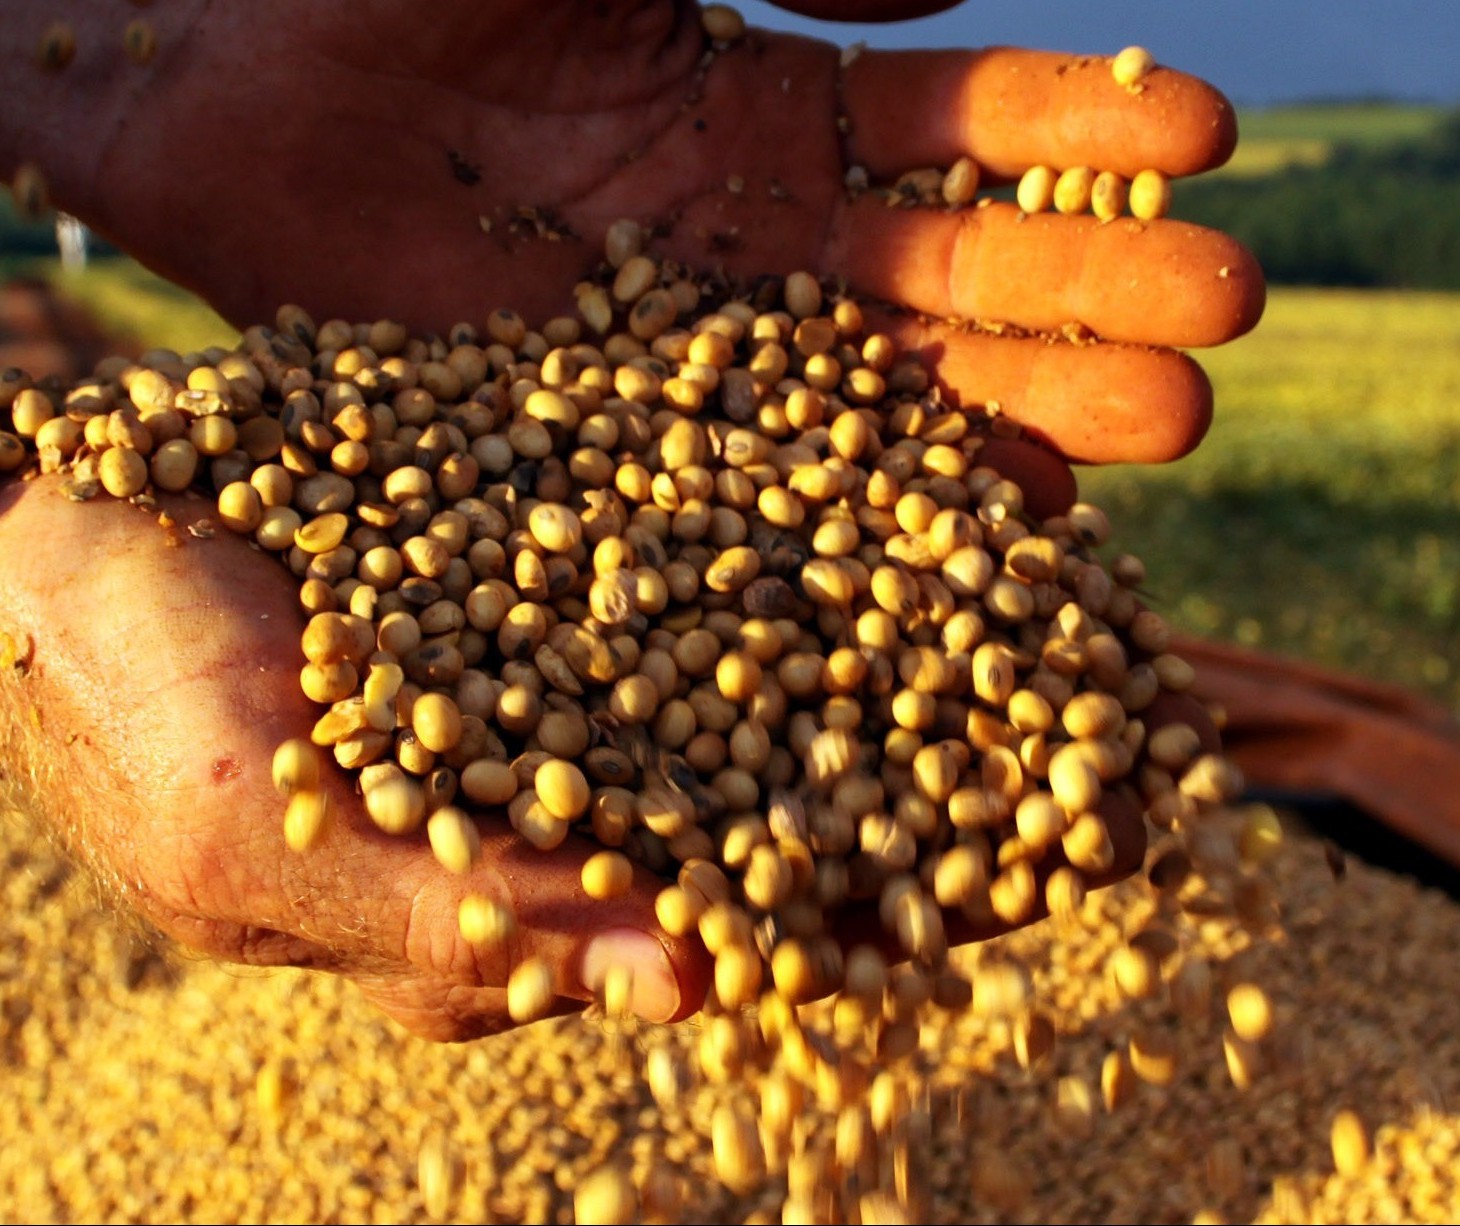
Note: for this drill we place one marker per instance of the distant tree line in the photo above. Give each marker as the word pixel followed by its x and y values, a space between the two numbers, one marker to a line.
pixel 1368 216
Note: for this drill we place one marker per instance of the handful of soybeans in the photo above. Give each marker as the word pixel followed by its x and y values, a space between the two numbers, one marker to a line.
pixel 716 580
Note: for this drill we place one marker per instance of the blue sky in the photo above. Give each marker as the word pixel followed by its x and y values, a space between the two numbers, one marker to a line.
pixel 1259 52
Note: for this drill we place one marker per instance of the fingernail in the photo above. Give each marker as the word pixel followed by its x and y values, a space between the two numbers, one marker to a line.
pixel 656 990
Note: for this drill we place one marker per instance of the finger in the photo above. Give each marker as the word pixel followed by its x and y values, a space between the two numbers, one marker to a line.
pixel 431 1008
pixel 1010 109
pixel 1146 283
pixel 1094 404
pixel 1045 479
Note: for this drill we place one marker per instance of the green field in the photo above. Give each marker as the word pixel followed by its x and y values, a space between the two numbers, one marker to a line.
pixel 1275 137
pixel 1321 517
pixel 1359 123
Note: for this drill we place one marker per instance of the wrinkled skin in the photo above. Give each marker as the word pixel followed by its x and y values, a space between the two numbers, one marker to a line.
pixel 344 157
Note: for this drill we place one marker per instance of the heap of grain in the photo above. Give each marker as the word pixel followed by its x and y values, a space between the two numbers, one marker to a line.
pixel 143 1092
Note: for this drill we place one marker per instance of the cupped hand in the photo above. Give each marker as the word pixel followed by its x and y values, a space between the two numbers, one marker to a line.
pixel 377 160
pixel 159 670
pixel 367 161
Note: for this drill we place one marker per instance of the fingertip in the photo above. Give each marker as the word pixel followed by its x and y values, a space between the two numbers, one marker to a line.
pixel 695 970
pixel 1112 404
pixel 1048 484
pixel 1165 281
pixel 1170 411
pixel 1239 268
pixel 668 980
pixel 1222 140
pixel 670 975
pixel 1205 284
pixel 1193 125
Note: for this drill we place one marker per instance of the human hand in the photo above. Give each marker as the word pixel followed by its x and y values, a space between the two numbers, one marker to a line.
pixel 347 156
pixel 269 907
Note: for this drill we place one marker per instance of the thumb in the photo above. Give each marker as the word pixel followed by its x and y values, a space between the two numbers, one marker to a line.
pixel 418 967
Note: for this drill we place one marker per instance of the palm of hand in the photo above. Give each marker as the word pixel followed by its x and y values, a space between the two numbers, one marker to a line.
pixel 405 136
pixel 377 144
pixel 154 739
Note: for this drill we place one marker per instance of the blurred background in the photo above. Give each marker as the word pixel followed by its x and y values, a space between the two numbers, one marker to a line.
pixel 1321 518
